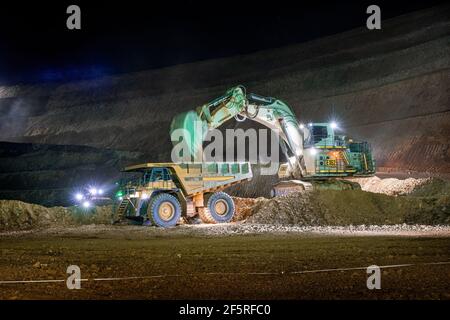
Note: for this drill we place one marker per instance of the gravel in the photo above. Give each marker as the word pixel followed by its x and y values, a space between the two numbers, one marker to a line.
pixel 238 228
pixel 249 228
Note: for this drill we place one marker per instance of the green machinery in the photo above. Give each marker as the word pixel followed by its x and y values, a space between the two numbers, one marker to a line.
pixel 317 155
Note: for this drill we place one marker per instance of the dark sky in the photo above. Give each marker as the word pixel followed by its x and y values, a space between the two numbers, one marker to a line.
pixel 125 36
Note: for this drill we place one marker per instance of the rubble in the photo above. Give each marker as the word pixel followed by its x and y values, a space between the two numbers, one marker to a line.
pixel 245 207
pixel 384 202
pixel 391 186
pixel 18 215
pixel 293 209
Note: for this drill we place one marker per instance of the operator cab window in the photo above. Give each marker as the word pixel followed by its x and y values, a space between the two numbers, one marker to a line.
pixel 319 133
pixel 160 174
pixel 146 177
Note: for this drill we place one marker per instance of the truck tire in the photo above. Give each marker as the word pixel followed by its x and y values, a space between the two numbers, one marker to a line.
pixel 164 210
pixel 220 208
pixel 205 215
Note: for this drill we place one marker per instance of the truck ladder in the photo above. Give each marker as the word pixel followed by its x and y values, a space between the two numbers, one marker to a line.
pixel 122 209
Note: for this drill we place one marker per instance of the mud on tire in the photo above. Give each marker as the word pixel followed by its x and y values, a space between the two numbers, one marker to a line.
pixel 219 208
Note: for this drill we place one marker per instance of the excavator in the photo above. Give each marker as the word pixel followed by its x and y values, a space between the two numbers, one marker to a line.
pixel 318 157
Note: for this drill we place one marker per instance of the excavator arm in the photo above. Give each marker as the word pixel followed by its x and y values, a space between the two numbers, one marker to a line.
pixel 235 103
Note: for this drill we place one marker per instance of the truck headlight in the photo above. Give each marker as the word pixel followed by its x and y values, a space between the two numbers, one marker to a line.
pixel 79 196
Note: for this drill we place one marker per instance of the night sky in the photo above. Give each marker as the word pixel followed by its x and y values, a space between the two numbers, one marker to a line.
pixel 126 36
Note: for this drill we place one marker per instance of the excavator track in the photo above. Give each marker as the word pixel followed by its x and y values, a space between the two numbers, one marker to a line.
pixel 286 187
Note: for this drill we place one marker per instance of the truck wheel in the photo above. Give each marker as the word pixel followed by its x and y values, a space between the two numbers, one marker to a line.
pixel 164 210
pixel 220 207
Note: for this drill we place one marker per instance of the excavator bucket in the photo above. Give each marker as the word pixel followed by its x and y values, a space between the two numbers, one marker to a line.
pixel 189 128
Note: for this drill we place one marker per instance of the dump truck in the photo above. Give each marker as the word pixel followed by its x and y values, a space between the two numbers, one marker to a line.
pixel 161 193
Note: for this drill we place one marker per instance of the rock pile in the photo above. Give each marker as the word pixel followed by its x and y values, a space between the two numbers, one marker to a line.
pixel 391 186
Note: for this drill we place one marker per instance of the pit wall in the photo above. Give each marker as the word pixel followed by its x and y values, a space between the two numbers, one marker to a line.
pixel 390 87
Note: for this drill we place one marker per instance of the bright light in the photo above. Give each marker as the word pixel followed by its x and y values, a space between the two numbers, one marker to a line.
pixel 79 196
pixel 302 126
pixel 333 125
pixel 313 151
pixel 100 191
pixel 120 198
pixel 145 195
pixel 93 191
pixel 310 124
pixel 86 204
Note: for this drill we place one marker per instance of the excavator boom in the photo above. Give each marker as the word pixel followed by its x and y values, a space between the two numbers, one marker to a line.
pixel 271 112
pixel 195 124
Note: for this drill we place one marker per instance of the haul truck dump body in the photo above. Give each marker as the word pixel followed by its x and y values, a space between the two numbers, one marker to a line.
pixel 162 193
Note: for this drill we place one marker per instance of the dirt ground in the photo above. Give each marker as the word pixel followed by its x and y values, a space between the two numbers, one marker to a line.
pixel 129 262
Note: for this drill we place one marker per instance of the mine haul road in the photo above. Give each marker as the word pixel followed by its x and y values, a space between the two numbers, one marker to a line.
pixel 128 262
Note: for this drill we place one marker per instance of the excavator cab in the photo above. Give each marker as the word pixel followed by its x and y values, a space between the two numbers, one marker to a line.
pixel 323 135
pixel 316 134
pixel 328 154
